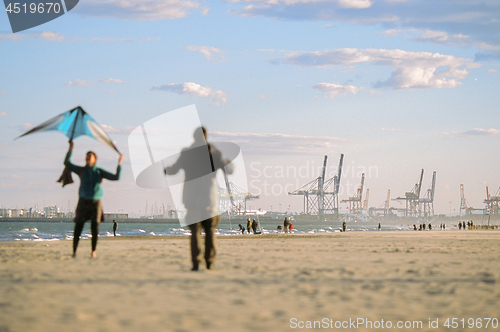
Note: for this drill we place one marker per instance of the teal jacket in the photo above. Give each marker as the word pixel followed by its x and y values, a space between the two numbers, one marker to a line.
pixel 91 178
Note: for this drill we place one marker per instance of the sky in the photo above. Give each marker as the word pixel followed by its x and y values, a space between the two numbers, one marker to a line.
pixel 395 85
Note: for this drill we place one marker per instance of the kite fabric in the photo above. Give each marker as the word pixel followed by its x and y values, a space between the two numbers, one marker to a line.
pixel 74 123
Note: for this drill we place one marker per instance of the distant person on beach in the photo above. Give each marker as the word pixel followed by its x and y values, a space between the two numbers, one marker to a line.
pixel 286 225
pixel 254 226
pixel 430 226
pixel 414 227
pixel 379 227
pixel 344 226
pixel 115 227
pixel 200 196
pixel 90 193
pixel 249 225
pixel 463 225
pixel 291 227
pixel 242 229
pixel 460 225
pixel 280 227
pixel 423 226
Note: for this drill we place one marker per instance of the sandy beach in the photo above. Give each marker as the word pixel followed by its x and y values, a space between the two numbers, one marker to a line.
pixel 260 283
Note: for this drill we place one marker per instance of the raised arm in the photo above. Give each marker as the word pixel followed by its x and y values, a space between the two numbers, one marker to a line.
pixel 67 161
pixel 110 176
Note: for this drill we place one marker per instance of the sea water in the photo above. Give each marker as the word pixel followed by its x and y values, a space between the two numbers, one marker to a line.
pixel 63 230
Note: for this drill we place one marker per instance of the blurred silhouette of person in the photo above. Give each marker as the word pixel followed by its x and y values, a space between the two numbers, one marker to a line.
pixel 242 229
pixel 379 227
pixel 249 225
pixel 286 225
pixel 254 226
pixel 200 162
pixel 344 226
pixel 115 227
pixel 90 193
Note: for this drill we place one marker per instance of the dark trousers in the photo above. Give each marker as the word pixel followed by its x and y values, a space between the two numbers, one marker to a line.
pixel 87 210
pixel 208 226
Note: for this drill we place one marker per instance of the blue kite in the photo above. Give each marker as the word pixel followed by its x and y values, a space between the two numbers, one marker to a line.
pixel 74 123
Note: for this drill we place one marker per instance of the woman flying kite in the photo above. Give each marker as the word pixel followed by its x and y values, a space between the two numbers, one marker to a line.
pixel 74 123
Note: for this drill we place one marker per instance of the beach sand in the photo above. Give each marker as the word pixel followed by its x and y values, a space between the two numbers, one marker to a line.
pixel 260 282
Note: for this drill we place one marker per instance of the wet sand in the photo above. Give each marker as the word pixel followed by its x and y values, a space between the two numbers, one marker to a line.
pixel 260 283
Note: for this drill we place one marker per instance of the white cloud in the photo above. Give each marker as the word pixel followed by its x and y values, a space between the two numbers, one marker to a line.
pixel 25 126
pixel 332 90
pixel 392 32
pixel 12 176
pixel 273 143
pixel 55 37
pixel 265 96
pixel 391 129
pixel 49 36
pixel 358 4
pixel 111 80
pixel 493 71
pixel 441 37
pixel 194 89
pixel 141 10
pixel 211 53
pixel 4 114
pixel 474 132
pixel 410 69
pixel 477 21
pixel 78 82
pixel 267 50
pixel 116 130
pixel 113 40
pixel 12 37
pixel 3 92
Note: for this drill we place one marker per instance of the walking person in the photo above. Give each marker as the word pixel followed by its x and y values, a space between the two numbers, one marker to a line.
pixel 200 193
pixel 249 225
pixel 254 226
pixel 286 224
pixel 115 227
pixel 90 193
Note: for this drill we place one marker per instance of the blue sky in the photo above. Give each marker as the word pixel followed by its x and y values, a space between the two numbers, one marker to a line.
pixel 394 85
